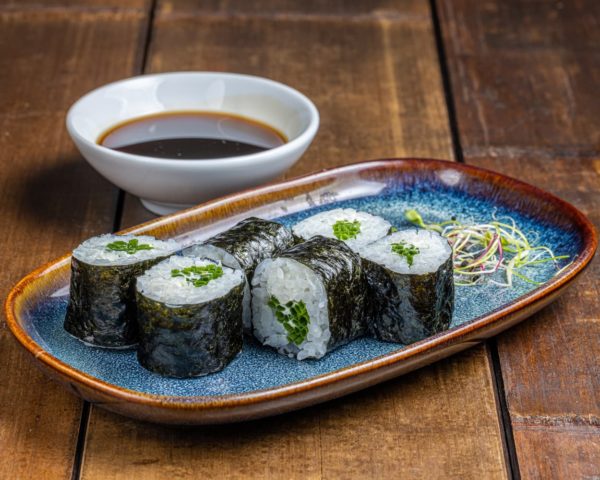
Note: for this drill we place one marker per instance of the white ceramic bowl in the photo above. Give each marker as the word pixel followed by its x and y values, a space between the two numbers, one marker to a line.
pixel 166 185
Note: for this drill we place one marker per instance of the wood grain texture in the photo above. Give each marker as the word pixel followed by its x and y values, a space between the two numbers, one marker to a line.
pixel 358 71
pixel 406 428
pixel 525 76
pixel 558 450
pixel 527 106
pixel 25 7
pixel 349 9
pixel 49 200
pixel 374 77
pixel 358 74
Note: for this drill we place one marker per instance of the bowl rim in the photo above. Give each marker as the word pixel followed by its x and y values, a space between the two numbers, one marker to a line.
pixel 369 367
pixel 302 140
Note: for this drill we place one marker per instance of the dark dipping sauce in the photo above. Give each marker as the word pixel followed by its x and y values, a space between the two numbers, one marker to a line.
pixel 191 136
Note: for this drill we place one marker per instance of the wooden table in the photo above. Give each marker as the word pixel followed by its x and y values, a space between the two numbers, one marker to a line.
pixel 508 85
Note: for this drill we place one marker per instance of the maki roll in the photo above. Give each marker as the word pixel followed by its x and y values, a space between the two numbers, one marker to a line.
pixel 411 288
pixel 244 246
pixel 101 310
pixel 189 316
pixel 353 227
pixel 309 299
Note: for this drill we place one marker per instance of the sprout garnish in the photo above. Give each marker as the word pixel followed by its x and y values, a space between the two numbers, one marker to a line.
pixel 479 251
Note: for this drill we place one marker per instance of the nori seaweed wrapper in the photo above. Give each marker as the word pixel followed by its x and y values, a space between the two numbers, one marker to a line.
pixel 406 308
pixel 340 270
pixel 190 340
pixel 250 242
pixel 102 309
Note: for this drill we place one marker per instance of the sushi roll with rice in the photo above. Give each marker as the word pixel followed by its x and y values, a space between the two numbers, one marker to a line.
pixel 101 310
pixel 353 227
pixel 309 299
pixel 411 288
pixel 244 246
pixel 190 316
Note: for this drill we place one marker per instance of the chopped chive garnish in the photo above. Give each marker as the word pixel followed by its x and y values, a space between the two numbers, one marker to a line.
pixel 480 251
pixel 130 247
pixel 406 250
pixel 393 229
pixel 294 318
pixel 199 276
pixel 345 230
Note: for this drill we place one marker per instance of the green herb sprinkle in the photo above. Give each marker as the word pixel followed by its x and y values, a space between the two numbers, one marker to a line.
pixel 130 247
pixel 294 318
pixel 199 276
pixel 406 250
pixel 345 230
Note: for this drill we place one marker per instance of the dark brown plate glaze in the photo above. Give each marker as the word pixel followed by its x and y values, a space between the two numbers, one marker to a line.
pixel 383 185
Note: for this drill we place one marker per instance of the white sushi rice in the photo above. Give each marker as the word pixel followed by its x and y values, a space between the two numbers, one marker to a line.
pixel 372 227
pixel 159 284
pixel 219 255
pixel 289 280
pixel 434 250
pixel 94 251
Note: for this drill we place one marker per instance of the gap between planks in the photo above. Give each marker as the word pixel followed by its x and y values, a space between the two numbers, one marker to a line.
pixel 375 17
pixel 87 408
pixel 504 420
pixel 447 84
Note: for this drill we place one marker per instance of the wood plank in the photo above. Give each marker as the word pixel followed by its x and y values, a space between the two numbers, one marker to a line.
pixel 50 201
pixel 558 450
pixel 357 83
pixel 525 76
pixel 25 7
pixel 411 427
pixel 357 74
pixel 527 105
pixel 375 79
pixel 350 10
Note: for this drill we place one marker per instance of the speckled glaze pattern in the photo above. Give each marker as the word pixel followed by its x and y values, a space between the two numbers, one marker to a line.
pixel 260 382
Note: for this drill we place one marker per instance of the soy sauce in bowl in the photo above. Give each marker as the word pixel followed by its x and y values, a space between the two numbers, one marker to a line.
pixel 191 136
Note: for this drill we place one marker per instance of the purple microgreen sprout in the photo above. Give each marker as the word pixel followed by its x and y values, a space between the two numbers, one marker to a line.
pixel 494 252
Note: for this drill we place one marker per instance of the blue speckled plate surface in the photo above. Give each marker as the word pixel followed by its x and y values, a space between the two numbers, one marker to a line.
pixel 438 190
pixel 260 368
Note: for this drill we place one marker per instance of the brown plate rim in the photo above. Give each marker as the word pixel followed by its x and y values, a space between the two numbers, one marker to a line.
pixel 588 233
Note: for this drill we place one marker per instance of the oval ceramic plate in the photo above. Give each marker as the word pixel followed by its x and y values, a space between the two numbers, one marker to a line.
pixel 259 382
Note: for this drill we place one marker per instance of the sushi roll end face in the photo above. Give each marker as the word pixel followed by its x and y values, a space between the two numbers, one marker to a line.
pixel 411 286
pixel 101 310
pixel 309 299
pixel 189 316
pixel 244 246
pixel 353 227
